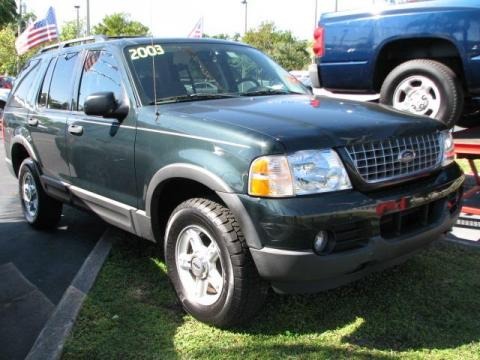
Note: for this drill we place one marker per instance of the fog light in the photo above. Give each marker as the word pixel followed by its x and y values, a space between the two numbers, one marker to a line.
pixel 320 245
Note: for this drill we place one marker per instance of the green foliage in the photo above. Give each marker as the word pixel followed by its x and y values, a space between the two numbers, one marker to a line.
pixel 7 49
pixel 280 45
pixel 8 12
pixel 69 30
pixel 235 37
pixel 8 58
pixel 119 24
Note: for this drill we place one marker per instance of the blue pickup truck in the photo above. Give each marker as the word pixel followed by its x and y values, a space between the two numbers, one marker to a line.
pixel 421 57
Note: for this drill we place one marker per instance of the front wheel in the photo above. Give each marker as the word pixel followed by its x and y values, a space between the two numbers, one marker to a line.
pixel 424 87
pixel 210 265
pixel 40 210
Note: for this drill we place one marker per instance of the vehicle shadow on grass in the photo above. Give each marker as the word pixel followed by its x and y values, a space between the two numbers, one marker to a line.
pixel 431 302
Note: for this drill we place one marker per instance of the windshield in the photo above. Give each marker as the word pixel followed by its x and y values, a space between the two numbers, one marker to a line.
pixel 198 71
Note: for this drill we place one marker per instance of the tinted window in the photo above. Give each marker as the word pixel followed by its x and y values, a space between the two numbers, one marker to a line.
pixel 25 83
pixel 100 73
pixel 180 70
pixel 62 79
pixel 43 95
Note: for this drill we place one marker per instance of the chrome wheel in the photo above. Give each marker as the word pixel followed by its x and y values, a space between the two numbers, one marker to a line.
pixel 418 95
pixel 29 195
pixel 199 265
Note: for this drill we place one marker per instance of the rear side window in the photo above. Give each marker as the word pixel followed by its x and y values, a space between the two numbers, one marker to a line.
pixel 100 73
pixel 26 81
pixel 43 95
pixel 60 94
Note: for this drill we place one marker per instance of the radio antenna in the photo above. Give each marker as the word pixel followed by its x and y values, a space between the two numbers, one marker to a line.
pixel 154 82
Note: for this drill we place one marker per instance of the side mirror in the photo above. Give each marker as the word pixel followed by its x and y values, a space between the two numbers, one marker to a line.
pixel 104 104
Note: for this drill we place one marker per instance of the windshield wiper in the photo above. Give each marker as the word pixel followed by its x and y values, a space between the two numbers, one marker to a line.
pixel 270 92
pixel 191 97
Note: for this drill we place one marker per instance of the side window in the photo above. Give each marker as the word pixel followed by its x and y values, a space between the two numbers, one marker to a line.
pixel 25 83
pixel 61 85
pixel 43 95
pixel 100 73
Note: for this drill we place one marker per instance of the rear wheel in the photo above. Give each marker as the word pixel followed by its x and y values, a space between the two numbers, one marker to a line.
pixel 424 87
pixel 40 210
pixel 210 265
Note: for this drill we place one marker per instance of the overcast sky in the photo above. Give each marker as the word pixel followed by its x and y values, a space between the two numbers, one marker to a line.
pixel 176 18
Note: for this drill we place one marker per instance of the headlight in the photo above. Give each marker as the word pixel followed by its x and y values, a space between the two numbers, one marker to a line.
pixel 448 148
pixel 317 172
pixel 301 173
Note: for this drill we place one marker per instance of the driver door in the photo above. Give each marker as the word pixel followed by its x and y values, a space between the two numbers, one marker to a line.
pixel 101 150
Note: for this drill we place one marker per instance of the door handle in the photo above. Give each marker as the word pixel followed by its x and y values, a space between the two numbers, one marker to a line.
pixel 32 121
pixel 75 130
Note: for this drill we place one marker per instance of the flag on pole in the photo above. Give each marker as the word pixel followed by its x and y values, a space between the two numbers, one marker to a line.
pixel 37 33
pixel 197 31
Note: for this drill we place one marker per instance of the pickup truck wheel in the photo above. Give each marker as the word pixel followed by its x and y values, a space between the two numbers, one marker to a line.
pixel 424 87
pixel 210 265
pixel 40 210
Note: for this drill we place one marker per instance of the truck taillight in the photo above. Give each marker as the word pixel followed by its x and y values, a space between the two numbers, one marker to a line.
pixel 319 42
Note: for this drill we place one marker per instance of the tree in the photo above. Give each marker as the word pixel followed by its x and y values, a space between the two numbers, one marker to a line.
pixel 8 58
pixel 119 24
pixel 8 12
pixel 282 46
pixel 69 30
pixel 235 37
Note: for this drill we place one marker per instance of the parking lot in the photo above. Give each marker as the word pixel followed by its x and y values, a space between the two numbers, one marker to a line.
pixel 35 267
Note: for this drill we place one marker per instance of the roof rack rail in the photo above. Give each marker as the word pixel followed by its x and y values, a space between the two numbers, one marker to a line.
pixel 73 42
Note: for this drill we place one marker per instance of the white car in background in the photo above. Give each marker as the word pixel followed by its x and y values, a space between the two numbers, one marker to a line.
pixel 6 84
pixel 303 76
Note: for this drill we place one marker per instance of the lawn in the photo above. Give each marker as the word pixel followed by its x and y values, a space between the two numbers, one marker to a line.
pixel 427 308
pixel 463 163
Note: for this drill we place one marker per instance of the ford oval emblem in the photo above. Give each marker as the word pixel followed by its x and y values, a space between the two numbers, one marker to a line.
pixel 407 156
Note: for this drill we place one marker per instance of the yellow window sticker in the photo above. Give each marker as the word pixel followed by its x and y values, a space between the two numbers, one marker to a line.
pixel 143 52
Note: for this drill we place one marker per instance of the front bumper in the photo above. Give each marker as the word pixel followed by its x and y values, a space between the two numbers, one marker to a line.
pixel 288 227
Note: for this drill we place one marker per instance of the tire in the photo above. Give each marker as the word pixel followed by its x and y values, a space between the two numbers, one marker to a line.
pixel 424 87
pixel 40 210
pixel 215 279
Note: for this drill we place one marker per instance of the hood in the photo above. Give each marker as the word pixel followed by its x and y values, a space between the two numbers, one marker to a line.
pixel 304 122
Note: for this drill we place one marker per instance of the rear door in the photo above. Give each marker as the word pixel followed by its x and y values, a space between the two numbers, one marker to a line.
pixel 48 119
pixel 100 150
pixel 20 104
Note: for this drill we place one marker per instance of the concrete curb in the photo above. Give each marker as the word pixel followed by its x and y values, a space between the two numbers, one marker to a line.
pixel 51 340
pixel 466 243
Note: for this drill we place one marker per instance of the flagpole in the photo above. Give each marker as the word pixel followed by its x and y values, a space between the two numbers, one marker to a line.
pixel 19 31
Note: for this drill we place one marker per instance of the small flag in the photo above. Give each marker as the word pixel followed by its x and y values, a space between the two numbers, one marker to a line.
pixel 37 33
pixel 92 58
pixel 197 31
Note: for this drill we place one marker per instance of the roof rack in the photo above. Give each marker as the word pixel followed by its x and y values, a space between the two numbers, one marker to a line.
pixel 73 42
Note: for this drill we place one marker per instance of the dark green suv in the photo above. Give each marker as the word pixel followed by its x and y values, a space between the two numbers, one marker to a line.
pixel 214 151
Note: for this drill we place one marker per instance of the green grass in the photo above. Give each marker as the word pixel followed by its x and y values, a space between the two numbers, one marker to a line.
pixel 428 308
pixel 463 163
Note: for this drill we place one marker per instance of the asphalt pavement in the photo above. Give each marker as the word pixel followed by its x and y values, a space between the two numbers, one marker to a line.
pixel 36 267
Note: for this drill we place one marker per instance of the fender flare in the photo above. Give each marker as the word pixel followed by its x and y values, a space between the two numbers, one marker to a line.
pixel 380 47
pixel 213 182
pixel 20 139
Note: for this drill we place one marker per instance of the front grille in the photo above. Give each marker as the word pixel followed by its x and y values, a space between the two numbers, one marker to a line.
pixel 412 220
pixel 381 160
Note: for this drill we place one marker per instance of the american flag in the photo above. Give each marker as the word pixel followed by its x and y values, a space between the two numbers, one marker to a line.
pixel 197 31
pixel 91 59
pixel 40 31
